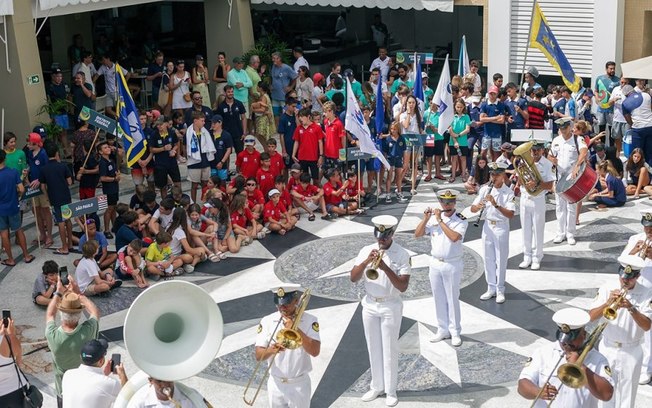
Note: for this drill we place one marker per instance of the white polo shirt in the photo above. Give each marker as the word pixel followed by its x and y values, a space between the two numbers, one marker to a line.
pixel 623 328
pixel 504 197
pixel 87 386
pixel 566 152
pixel 398 260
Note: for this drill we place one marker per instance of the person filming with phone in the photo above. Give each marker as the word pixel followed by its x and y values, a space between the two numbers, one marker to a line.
pixel 11 385
pixel 92 383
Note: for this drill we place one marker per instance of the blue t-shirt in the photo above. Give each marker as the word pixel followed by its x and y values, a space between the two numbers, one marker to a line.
pixel 55 176
pixel 519 120
pixel 99 237
pixel 35 163
pixel 108 169
pixel 9 179
pixel 493 130
pixel 231 117
pixel 474 114
pixel 223 142
pixel 124 236
pixel 281 78
pixel 395 148
pixel 286 126
pixel 616 185
pixel 639 106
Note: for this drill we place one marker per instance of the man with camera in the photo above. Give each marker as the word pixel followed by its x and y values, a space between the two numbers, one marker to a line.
pixel 90 385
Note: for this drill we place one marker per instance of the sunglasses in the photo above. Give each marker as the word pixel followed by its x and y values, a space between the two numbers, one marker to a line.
pixel 566 338
pixel 198 98
pixel 251 184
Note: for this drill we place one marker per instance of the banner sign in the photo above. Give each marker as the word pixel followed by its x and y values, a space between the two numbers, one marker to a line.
pixel 414 139
pixel 88 206
pixel 98 120
pixel 425 58
pixel 31 193
pixel 354 153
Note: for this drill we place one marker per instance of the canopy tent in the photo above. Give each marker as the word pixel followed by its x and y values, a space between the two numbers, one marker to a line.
pixel 638 69
pixel 52 8
pixel 430 5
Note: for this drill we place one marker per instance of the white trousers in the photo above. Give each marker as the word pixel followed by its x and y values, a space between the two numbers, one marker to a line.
pixel 625 364
pixel 647 353
pixel 292 394
pixel 445 283
pixel 382 324
pixel 496 252
pixel 566 216
pixel 533 220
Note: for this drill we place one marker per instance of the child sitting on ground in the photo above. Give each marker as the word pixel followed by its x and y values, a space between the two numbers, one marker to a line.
pixel 215 186
pixel 264 175
pixel 204 232
pixel 286 198
pixel 137 201
pixel 276 216
pixel 243 221
pixel 309 197
pixel 159 257
pixel 90 278
pixel 46 284
pixel 130 263
pixel 218 212
pixel 255 197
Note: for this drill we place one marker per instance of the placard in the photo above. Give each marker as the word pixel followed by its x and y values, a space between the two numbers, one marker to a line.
pixel 87 206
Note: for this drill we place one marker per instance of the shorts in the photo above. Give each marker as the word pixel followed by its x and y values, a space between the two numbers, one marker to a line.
pixel 619 129
pixel 221 231
pixel 86 192
pixel 330 163
pixel 494 142
pixel 109 99
pixel 368 165
pixel 310 166
pixel 90 290
pixel 395 162
pixel 10 222
pixel 42 201
pixel 463 149
pixel 199 175
pixel 605 118
pixel 112 198
pixel 312 206
pixel 223 174
pixel 56 214
pixel 329 207
pixel 277 107
pixel 436 150
pixel 161 175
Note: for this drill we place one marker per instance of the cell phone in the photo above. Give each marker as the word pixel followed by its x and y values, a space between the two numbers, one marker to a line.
pixel 6 315
pixel 63 275
pixel 115 361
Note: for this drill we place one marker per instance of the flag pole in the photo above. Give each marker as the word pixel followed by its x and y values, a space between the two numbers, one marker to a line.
pixel 527 46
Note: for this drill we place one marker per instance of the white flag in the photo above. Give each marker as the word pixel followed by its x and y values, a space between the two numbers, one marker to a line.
pixel 463 66
pixel 443 97
pixel 356 125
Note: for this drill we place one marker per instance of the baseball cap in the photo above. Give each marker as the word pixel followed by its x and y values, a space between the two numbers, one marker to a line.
pixel 295 168
pixel 216 118
pixel 41 131
pixel 93 351
pixel 424 75
pixel 272 192
pixel 507 147
pixel 199 57
pixel 57 71
pixel 249 141
pixel 35 138
pixel 238 60
pixel 493 89
pixel 317 78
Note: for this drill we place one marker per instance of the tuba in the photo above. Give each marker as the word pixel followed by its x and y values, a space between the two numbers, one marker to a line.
pixel 170 340
pixel 526 168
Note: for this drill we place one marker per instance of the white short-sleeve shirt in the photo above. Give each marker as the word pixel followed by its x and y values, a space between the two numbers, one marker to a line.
pixel 504 197
pixel 623 328
pixel 544 166
pixel 398 260
pixel 566 152
pixel 442 246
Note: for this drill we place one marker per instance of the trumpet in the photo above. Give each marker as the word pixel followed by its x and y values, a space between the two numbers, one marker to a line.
pixel 372 273
pixel 168 393
pixel 643 252
pixel 288 338
pixel 611 311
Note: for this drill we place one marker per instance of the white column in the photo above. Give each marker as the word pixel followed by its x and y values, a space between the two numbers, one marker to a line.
pixel 608 27
pixel 498 42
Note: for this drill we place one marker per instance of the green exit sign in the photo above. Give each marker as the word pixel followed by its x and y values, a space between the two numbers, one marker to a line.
pixel 33 79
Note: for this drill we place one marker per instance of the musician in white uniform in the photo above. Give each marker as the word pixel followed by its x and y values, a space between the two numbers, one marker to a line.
pixel 622 339
pixel 571 336
pixel 497 199
pixel 446 231
pixel 533 209
pixel 382 307
pixel 567 153
pixel 641 245
pixel 165 394
pixel 288 384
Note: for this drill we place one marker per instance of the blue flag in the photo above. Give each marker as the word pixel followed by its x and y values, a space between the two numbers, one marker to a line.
pixel 380 106
pixel 418 80
pixel 542 38
pixel 129 128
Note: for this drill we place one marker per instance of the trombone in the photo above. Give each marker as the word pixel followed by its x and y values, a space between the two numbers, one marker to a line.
pixel 288 338
pixel 372 273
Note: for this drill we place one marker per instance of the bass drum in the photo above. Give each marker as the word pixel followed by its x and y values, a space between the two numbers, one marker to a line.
pixel 574 190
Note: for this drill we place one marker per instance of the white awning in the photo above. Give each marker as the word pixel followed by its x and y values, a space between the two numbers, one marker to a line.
pixel 6 7
pixel 637 69
pixel 53 8
pixel 430 5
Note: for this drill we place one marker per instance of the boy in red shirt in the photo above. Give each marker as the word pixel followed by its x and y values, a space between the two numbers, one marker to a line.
pixel 286 197
pixel 335 137
pixel 276 216
pixel 264 175
pixel 308 148
pixel 352 187
pixel 248 160
pixel 309 197
pixel 334 195
pixel 295 172
pixel 276 163
pixel 255 197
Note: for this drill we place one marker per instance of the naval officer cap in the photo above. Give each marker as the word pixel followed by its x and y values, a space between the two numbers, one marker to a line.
pixel 646 217
pixel 284 294
pixel 447 195
pixel 630 266
pixel 384 225
pixel 497 167
pixel 563 122
pixel 538 144
pixel 569 321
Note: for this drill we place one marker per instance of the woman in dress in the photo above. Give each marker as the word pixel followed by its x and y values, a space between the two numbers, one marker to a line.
pixel 304 87
pixel 263 116
pixel 200 80
pixel 219 76
pixel 165 82
pixel 180 87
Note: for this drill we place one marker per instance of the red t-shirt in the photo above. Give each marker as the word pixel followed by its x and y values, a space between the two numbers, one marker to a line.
pixel 274 211
pixel 333 142
pixel 286 199
pixel 276 164
pixel 248 163
pixel 241 219
pixel 352 189
pixel 309 191
pixel 256 197
pixel 329 193
pixel 265 181
pixel 308 139
pixel 291 183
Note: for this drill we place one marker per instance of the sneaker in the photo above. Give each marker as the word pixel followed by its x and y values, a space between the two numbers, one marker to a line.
pixel 391 401
pixel 500 298
pixel 571 241
pixel 535 266
pixel 525 263
pixel 388 199
pixel 645 378
pixel 413 192
pixel 178 271
pixel 559 239
pixel 456 341
pixel 487 295
pixel 441 335
pixel 188 268
pixel 370 395
pixel 400 198
pixel 116 284
pixel 266 230
pixel 260 235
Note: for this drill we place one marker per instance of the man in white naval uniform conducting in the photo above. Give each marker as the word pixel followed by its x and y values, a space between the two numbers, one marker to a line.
pixel 382 307
pixel 288 384
pixel 641 245
pixel 446 233
pixel 567 153
pixel 571 336
pixel 622 339
pixel 533 209
pixel 497 199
